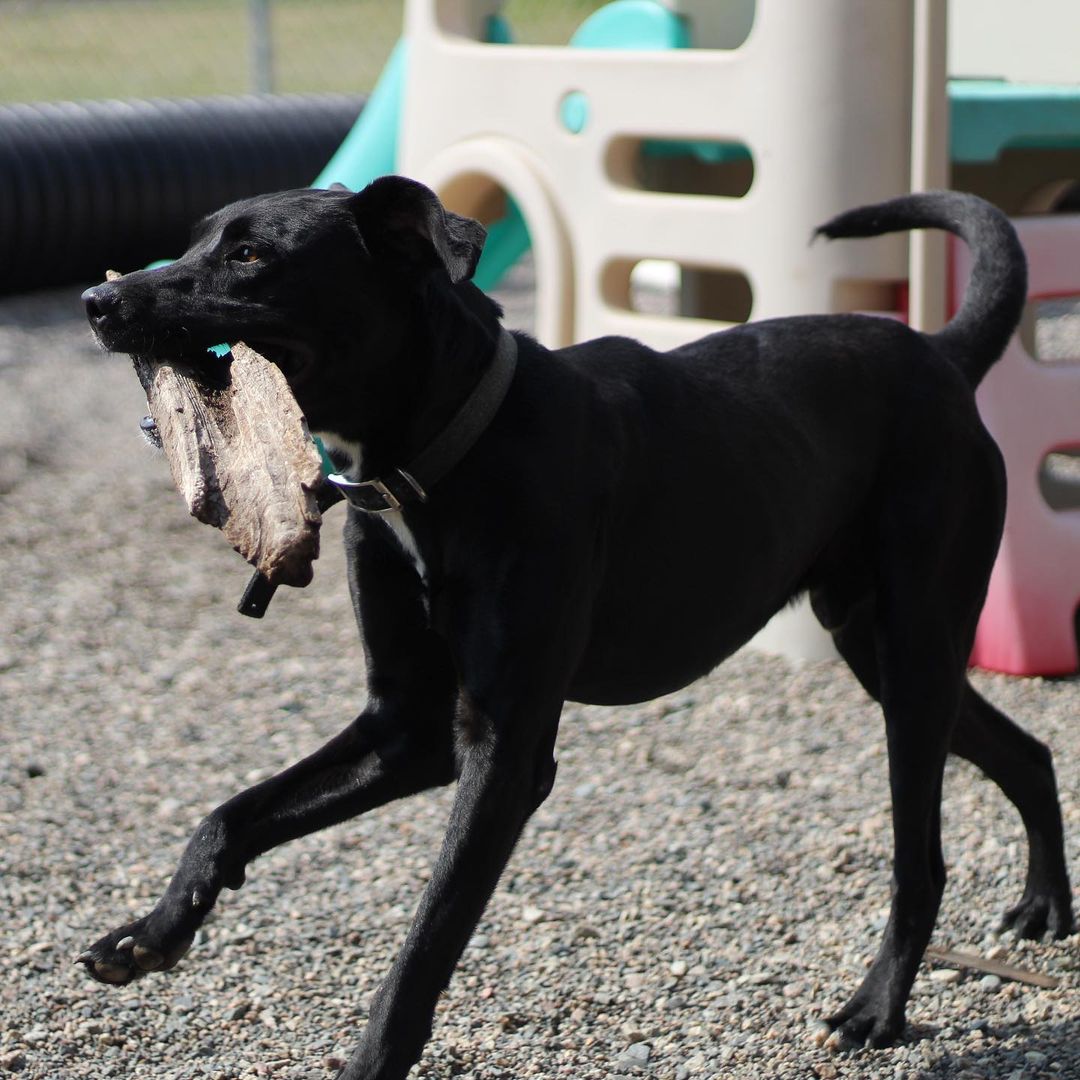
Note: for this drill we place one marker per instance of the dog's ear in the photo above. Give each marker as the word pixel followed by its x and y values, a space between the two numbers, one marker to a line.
pixel 406 218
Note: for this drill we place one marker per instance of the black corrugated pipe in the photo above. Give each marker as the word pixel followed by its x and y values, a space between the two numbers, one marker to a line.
pixel 96 185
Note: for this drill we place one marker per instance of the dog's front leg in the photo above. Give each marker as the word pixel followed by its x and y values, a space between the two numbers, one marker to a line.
pixel 395 748
pixel 506 773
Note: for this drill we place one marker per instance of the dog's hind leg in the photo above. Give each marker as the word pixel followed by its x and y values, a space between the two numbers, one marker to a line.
pixel 1023 768
pixel 907 637
pixel 920 699
pixel 1020 765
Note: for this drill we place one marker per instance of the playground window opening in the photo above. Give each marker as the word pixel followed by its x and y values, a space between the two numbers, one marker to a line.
pixel 664 287
pixel 721 168
pixel 1059 478
pixel 1050 327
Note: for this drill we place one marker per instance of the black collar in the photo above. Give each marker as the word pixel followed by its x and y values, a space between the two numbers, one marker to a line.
pixel 411 483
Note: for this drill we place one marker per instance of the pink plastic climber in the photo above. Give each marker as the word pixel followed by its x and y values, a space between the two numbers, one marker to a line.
pixel 1033 408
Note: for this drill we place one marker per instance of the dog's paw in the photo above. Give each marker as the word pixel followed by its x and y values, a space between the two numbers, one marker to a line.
pixel 133 951
pixel 858 1025
pixel 1040 913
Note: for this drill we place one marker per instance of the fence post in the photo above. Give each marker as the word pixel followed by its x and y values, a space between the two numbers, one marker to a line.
pixel 262 46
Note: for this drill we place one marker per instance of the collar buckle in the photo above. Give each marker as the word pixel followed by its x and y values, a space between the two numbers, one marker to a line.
pixel 359 493
pixel 355 492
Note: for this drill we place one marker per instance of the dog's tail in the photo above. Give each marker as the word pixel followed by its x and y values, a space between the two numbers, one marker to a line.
pixel 978 333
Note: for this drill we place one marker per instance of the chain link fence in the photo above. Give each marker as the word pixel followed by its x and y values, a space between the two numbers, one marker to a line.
pixel 55 50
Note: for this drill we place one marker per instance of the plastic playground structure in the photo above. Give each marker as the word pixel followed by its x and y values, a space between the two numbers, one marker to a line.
pixel 715 136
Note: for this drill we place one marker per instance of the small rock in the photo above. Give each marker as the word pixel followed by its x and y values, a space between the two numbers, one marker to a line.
pixel 990 983
pixel 679 968
pixel 240 1010
pixel 636 1054
pixel 1036 1057
pixel 945 975
pixel 531 915
pixel 12 1060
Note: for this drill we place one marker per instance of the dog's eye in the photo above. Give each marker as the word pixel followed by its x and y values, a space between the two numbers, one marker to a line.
pixel 245 254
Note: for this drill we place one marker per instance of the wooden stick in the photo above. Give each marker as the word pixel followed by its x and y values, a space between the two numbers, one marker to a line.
pixel 241 456
pixel 991 967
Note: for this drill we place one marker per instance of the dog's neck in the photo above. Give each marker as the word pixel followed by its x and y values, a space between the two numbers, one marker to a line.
pixel 411 479
pixel 431 370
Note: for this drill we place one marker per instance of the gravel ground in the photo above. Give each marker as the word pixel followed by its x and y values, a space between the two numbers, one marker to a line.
pixel 710 874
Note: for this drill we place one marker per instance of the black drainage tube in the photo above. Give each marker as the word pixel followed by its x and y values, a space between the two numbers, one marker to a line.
pixel 96 185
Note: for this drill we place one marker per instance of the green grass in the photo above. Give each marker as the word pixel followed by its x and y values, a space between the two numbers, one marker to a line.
pixel 148 48
pixel 53 50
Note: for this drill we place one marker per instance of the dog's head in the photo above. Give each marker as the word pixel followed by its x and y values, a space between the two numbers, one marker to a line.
pixel 327 284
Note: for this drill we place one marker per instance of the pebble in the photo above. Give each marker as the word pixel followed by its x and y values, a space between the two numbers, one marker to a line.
pixel 634 1056
pixel 946 975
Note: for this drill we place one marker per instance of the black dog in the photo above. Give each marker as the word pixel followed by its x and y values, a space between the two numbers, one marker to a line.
pixel 603 524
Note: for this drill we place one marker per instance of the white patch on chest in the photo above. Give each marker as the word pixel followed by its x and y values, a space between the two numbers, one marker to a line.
pixel 355 453
pixel 405 538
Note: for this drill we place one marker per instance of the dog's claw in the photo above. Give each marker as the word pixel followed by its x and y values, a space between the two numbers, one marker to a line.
pixel 126 942
pixel 836 1042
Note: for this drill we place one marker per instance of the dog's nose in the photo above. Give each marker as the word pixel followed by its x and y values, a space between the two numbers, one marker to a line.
pixel 101 301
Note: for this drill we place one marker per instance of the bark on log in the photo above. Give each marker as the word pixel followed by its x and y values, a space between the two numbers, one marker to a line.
pixel 241 456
